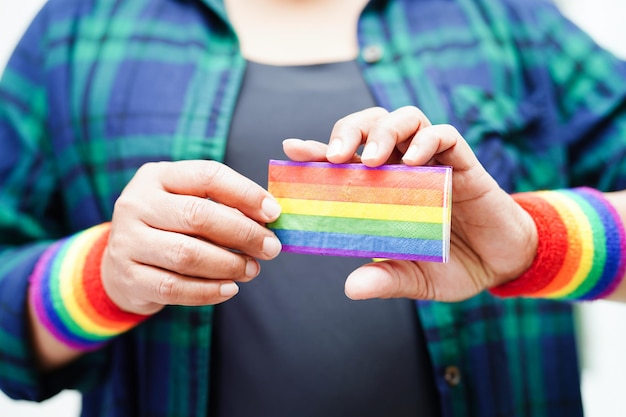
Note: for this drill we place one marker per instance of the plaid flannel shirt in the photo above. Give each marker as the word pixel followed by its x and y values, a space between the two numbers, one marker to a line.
pixel 96 88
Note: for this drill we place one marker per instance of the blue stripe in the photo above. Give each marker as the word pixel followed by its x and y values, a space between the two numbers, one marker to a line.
pixel 612 244
pixel 367 243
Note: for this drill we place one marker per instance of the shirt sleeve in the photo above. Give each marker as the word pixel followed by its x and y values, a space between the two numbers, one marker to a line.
pixel 589 90
pixel 30 220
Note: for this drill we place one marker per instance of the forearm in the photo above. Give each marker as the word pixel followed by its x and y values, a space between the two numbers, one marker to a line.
pixel 21 377
pixel 618 200
pixel 49 352
pixel 68 308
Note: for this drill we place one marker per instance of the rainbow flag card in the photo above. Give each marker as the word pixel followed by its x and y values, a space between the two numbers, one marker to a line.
pixel 392 212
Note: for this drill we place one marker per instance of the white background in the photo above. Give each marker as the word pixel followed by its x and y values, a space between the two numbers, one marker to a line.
pixel 602 324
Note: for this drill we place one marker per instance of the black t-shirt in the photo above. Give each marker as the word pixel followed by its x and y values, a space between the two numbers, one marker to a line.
pixel 291 343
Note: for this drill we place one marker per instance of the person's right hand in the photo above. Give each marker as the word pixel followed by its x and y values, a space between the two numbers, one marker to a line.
pixel 183 232
pixel 493 239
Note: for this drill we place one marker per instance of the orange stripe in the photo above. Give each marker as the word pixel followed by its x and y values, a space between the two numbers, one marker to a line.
pixel 571 263
pixel 79 290
pixel 357 194
pixel 114 326
pixel 93 289
pixel 427 180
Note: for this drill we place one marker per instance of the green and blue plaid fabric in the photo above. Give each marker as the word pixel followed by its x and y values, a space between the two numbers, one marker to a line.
pixel 96 88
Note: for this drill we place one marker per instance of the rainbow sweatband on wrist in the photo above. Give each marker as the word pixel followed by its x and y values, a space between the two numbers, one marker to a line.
pixel 581 253
pixel 67 293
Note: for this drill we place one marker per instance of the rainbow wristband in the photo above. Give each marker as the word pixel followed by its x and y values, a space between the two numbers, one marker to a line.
pixel 68 296
pixel 581 246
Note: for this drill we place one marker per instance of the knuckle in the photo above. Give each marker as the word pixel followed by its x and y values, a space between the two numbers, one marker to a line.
pixel 339 124
pixel 212 172
pixel 248 232
pixel 414 111
pixel 125 202
pixel 238 267
pixel 232 266
pixel 166 289
pixel 145 168
pixel 423 289
pixel 450 129
pixel 235 266
pixel 408 281
pixel 194 214
pixel 375 112
pixel 150 168
pixel 184 253
pixel 388 128
pixel 380 110
pixel 249 192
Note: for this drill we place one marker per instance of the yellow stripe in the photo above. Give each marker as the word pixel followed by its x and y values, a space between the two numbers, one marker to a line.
pixel 566 207
pixel 363 210
pixel 71 274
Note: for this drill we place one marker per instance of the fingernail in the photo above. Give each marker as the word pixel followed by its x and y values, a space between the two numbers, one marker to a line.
pixel 271 208
pixel 229 289
pixel 410 154
pixel 271 246
pixel 370 150
pixel 252 268
pixel 334 148
pixel 292 140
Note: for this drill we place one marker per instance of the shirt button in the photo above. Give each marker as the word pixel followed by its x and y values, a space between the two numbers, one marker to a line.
pixel 372 54
pixel 452 375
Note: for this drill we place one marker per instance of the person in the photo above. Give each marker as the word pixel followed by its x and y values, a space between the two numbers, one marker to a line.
pixel 135 139
pixel 565 244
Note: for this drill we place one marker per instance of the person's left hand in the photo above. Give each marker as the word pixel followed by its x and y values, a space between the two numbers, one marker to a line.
pixel 493 240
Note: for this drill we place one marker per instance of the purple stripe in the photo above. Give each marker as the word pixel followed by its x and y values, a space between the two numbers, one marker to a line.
pixel 44 306
pixel 611 246
pixel 619 228
pixel 38 281
pixel 360 254
pixel 357 166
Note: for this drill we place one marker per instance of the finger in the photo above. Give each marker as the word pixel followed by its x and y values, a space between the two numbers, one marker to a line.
pixel 165 287
pixel 443 143
pixel 188 256
pixel 213 222
pixel 210 179
pixel 350 132
pixel 388 279
pixel 309 151
pixel 305 150
pixel 389 131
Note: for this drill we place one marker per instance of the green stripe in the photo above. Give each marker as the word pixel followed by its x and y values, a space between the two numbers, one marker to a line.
pixel 58 301
pixel 410 230
pixel 599 246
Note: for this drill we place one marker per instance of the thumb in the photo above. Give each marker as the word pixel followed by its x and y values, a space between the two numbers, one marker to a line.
pixel 387 279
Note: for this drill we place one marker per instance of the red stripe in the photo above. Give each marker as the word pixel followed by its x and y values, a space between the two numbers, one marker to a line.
pixel 428 180
pixel 94 290
pixel 551 248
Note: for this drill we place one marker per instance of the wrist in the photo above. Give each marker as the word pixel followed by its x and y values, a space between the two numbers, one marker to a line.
pixel 68 297
pixel 123 296
pixel 528 247
pixel 579 249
